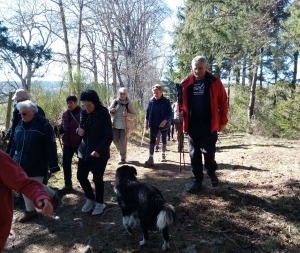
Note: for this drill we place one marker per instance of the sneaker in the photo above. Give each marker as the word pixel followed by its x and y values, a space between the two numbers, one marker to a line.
pixel 88 205
pixel 194 187
pixel 163 158
pixel 150 161
pixel 214 180
pixel 28 216
pixel 98 208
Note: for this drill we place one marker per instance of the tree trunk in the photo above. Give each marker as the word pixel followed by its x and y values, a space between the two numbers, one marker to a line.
pixel 294 80
pixel 8 112
pixel 28 77
pixel 79 37
pixel 252 94
pixel 244 70
pixel 261 72
pixel 113 65
pixel 68 56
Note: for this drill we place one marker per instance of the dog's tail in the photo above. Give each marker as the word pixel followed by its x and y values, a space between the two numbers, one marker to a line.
pixel 166 217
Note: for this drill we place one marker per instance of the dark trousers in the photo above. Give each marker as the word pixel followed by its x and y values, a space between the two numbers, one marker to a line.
pixel 97 167
pixel 180 135
pixel 171 131
pixel 202 141
pixel 68 153
pixel 153 134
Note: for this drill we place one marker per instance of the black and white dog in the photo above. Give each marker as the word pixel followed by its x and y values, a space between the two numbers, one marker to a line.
pixel 142 201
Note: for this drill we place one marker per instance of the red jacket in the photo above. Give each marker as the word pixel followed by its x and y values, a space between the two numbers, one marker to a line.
pixel 12 177
pixel 218 102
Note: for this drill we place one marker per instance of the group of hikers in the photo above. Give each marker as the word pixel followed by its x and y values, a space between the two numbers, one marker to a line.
pixel 88 130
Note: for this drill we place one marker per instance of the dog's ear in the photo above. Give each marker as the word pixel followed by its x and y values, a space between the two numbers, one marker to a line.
pixel 133 170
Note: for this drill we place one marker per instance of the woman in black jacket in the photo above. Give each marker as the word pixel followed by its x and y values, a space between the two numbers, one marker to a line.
pixel 93 152
pixel 34 149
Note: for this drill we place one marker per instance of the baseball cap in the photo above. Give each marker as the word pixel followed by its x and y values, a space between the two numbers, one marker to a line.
pixel 21 94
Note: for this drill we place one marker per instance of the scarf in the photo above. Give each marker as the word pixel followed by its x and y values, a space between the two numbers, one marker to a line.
pixel 87 119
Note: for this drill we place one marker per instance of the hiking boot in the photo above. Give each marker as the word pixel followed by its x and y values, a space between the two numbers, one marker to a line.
pixel 214 180
pixel 28 216
pixel 195 187
pixel 150 161
pixel 163 158
pixel 65 189
pixel 98 208
pixel 88 205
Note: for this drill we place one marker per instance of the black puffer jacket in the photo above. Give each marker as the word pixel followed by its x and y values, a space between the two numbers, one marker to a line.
pixel 34 147
pixel 97 137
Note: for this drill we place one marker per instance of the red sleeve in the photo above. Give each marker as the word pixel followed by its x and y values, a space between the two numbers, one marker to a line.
pixel 13 176
pixel 222 104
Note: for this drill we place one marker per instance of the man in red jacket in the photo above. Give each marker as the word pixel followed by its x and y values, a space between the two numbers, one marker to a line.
pixel 204 113
pixel 12 177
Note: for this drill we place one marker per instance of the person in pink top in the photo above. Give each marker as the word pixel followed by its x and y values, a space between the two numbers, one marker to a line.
pixel 12 177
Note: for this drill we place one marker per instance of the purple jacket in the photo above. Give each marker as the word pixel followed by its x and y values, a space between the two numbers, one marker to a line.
pixel 68 128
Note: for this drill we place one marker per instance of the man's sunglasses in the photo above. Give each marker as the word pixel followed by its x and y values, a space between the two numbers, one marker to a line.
pixel 23 114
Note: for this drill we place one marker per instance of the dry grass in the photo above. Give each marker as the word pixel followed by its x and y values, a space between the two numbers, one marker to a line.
pixel 255 208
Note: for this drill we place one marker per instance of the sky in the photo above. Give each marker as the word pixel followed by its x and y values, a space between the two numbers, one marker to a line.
pixel 55 71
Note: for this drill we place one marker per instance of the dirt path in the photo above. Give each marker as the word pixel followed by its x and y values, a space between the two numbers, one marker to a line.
pixel 255 208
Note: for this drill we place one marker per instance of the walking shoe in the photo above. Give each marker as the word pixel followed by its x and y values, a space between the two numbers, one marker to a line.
pixel 65 189
pixel 150 161
pixel 214 180
pixel 194 187
pixel 163 158
pixel 98 208
pixel 55 200
pixel 28 216
pixel 88 205
pixel 122 161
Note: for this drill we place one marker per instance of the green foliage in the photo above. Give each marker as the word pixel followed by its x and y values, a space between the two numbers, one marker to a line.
pixel 276 113
pixel 52 101
pixel 140 114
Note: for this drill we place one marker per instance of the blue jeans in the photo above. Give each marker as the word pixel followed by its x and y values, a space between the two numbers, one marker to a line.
pixel 68 154
pixel 153 133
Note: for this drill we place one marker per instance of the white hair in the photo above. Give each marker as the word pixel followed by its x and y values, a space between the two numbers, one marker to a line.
pixel 199 59
pixel 27 104
pixel 123 90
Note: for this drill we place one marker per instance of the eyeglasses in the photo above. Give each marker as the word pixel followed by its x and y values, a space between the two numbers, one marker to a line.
pixel 23 114
pixel 122 93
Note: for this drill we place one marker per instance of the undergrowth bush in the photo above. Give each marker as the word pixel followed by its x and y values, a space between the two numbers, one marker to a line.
pixel 276 111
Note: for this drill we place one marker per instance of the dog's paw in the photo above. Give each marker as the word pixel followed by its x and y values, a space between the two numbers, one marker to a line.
pixel 142 243
pixel 165 246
